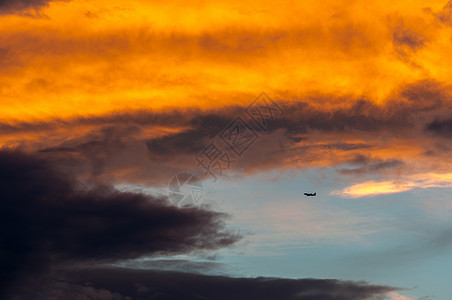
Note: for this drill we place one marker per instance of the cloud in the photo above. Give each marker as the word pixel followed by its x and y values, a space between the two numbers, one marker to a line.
pixel 160 63
pixel 325 113
pixel 143 146
pixel 396 296
pixel 21 6
pixel 409 38
pixel 383 187
pixel 53 223
pixel 49 218
pixel 153 145
pixel 403 36
pixel 442 128
pixel 117 283
pixel 180 265
pixel 367 164
pixel 445 15
pixel 202 128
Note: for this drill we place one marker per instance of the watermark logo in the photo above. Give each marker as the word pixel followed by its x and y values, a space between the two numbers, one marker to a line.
pixel 226 148
pixel 185 190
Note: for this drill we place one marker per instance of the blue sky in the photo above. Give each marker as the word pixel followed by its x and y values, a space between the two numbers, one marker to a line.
pixel 392 239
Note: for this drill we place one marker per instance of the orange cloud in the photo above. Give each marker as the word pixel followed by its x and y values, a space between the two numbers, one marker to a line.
pixel 361 79
pixel 375 188
pixel 98 57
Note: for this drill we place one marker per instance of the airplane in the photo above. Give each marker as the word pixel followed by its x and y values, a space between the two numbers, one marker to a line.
pixel 310 194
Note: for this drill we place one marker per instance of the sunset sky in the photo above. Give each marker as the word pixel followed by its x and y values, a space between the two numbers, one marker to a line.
pixel 105 103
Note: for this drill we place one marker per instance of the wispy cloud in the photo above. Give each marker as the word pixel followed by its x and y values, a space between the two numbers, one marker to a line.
pixel 122 283
pixel 396 296
pixel 375 188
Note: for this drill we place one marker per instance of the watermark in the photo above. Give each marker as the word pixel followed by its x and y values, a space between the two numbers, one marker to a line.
pixel 185 189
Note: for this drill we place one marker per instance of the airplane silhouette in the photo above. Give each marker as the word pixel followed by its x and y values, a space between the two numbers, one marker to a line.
pixel 310 194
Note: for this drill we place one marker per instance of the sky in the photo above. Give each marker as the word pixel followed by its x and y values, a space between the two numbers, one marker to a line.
pixel 162 149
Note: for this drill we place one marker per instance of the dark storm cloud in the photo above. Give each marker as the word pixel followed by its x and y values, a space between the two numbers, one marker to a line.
pixel 443 128
pixel 48 218
pixel 53 226
pixel 116 283
pixel 17 6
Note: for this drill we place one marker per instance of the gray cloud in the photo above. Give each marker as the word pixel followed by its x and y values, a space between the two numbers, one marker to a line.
pixel 19 6
pixel 116 283
pixel 366 164
pixel 442 128
pixel 49 218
